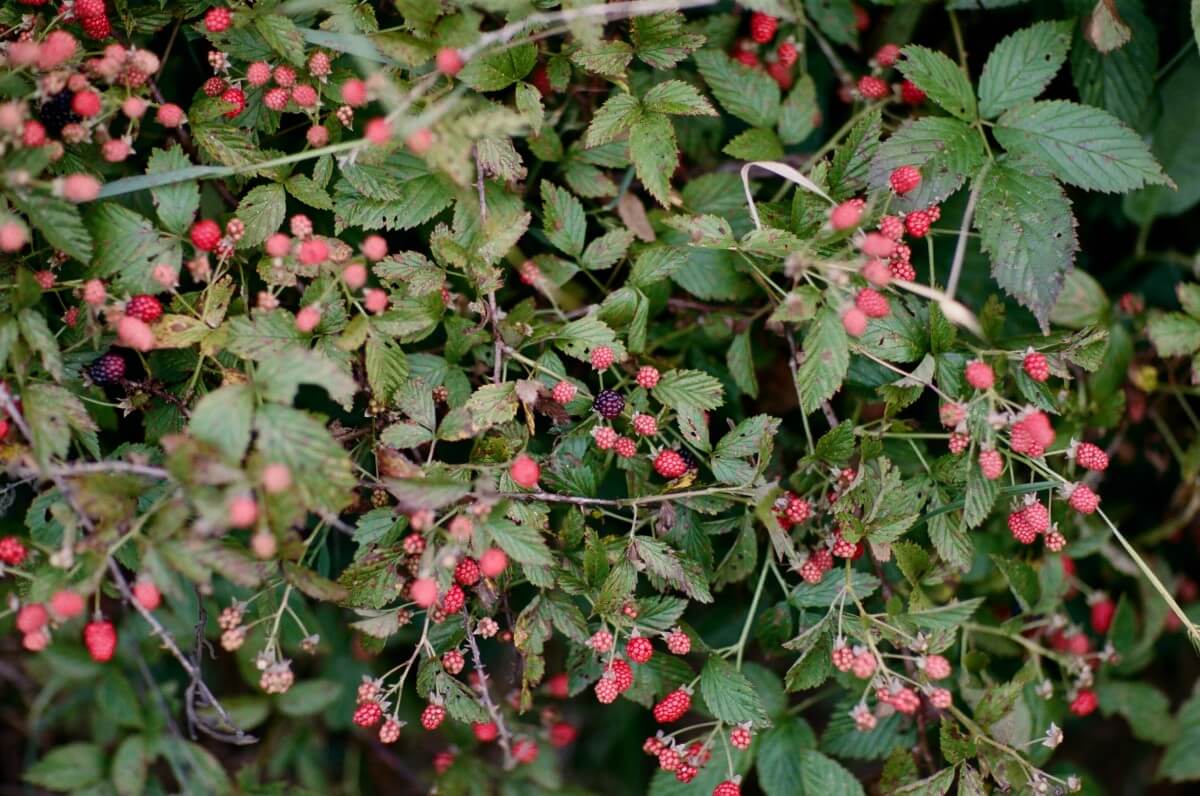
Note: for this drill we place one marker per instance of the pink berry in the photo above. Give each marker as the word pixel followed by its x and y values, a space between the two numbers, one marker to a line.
pixel 1036 366
pixel 847 214
pixel 217 20
pixel 905 179
pixel 873 88
pixel 493 562
pixel 979 375
pixel 449 61
pixel 525 472
pixel 762 27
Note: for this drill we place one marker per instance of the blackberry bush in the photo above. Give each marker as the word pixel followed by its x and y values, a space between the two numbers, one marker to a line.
pixel 459 397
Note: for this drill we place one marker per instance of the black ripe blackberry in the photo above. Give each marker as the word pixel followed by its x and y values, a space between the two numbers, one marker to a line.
pixel 609 404
pixel 56 113
pixel 108 369
pixel 688 458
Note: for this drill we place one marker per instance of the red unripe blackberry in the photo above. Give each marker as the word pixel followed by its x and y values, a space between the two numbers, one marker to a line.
pixel 107 369
pixel 787 53
pixel 605 437
pixel 147 594
pixel 217 20
pixel 525 471
pixel 746 58
pixel 673 706
pixel 609 404
pixel 454 599
pixel 237 98
pixel 678 642
pixel 563 392
pixel 625 447
pixel 645 425
pixel 100 638
pixel 847 214
pixel 1036 366
pixel 887 55
pixel 622 674
pixel 606 690
pixel 647 377
pixel 1083 499
pixel 873 88
pixel 32 617
pixel 145 308
pixel 368 714
pixel 763 27
pixel 872 303
pixel 449 61
pixel 910 93
pixel 453 661
pixel 979 375
pixel 485 731
pixel 740 737
pixel 214 87
pixel 602 357
pixel 669 464
pixel 917 223
pixel 205 234
pixel 991 464
pixel 905 179
pixel 854 321
pixel 1085 702
pixel 639 649
pixel 1102 611
pixel 1091 457
pixel 432 716
pixel 84 9
pixel 466 572
pixel 727 788
pixel 12 551
pixel 781 74
pixel 86 103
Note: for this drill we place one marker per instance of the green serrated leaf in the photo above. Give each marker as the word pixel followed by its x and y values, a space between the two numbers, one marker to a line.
pixel 749 94
pixel 825 361
pixel 563 219
pixel 1021 66
pixel 654 154
pixel 728 695
pixel 689 388
pixel 500 70
pixel 939 77
pixel 677 98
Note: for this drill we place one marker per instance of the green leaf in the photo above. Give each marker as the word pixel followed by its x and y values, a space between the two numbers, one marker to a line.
pixel 740 360
pixel 946 151
pixel 307 190
pixel 416 201
pixel 799 113
pixel 1021 579
pixel 69 767
pixel 313 585
pixel 728 695
pixel 779 767
pixel 939 77
pixel 58 220
pixel 262 210
pixel 1081 303
pixel 950 540
pixel 176 204
pixel 755 144
pixel 825 361
pixel 823 776
pixel 852 159
pixel 813 667
pixel 1146 708
pixel 835 18
pixel 749 94
pixel 322 474
pixel 563 219
pixel 614 117
pixel 1081 145
pixel 980 497
pixel 677 98
pixel 661 40
pixel 825 593
pixel 748 436
pixel 130 764
pixel 935 785
pixel 282 36
pixel 689 388
pixel 308 698
pixel 843 739
pixel 223 419
pixel 38 336
pixel 1174 334
pixel 1174 143
pixel 1021 66
pixel 945 617
pixel 579 337
pixel 281 376
pixel 522 543
pixel 128 247
pixel 606 251
pixel 654 154
pixel 1181 760
pixel 1028 230
pixel 608 58
pixel 501 70
pixel 53 413
pixel 387 367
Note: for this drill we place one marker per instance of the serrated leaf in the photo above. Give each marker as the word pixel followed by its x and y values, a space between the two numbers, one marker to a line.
pixel 281 376
pixel 661 40
pixel 69 767
pixel 1146 708
pixel 562 219
pixel 823 776
pixel 779 767
pixel 852 159
pixel 579 337
pixel 522 543
pixel 177 203
pixel 728 695
pixel 739 358
pixel 747 437
pixel 755 144
pixel 58 220
pixel 654 154
pixel 499 70
pixel 1021 66
pixel 1176 146
pixel 308 698
pixel 749 94
pixel 307 190
pixel 946 151
pixel 799 113
pixel 606 251
pixel 614 117
pixel 128 246
pixel 945 617
pixel 608 58
pixel 223 419
pixel 835 18
pixel 1079 144
pixel 1174 334
pixel 53 412
pixel 1022 580
pixel 282 36
pixel 312 584
pixel 129 766
pixel 677 98
pixel 1120 80
pixel 1181 760
pixel 980 497
pixel 939 77
pixel 322 473
pixel 37 335
pixel 826 358
pixel 262 210
pixel 1026 226
pixel 690 388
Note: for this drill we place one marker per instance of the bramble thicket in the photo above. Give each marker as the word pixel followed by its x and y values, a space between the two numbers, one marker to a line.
pixel 652 396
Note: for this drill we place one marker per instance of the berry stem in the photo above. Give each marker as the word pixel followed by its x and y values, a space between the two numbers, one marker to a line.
pixel 504 738
pixel 960 248
pixel 758 591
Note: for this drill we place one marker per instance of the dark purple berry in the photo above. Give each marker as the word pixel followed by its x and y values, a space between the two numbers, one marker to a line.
pixel 108 369
pixel 688 458
pixel 609 403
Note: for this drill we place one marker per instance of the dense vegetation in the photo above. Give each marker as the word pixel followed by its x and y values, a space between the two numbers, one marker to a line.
pixel 514 396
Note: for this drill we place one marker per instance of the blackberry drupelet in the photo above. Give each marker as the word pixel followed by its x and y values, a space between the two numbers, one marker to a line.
pixel 688 458
pixel 108 369
pixel 55 113
pixel 609 404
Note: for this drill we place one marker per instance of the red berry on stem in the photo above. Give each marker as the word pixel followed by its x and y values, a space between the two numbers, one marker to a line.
pixel 217 20
pixel 905 179
pixel 525 471
pixel 100 638
pixel 762 27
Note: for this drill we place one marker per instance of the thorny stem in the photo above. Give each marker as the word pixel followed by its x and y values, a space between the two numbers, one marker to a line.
pixel 505 737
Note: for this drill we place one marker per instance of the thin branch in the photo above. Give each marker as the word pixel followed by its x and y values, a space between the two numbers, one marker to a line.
pixel 504 737
pixel 960 248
